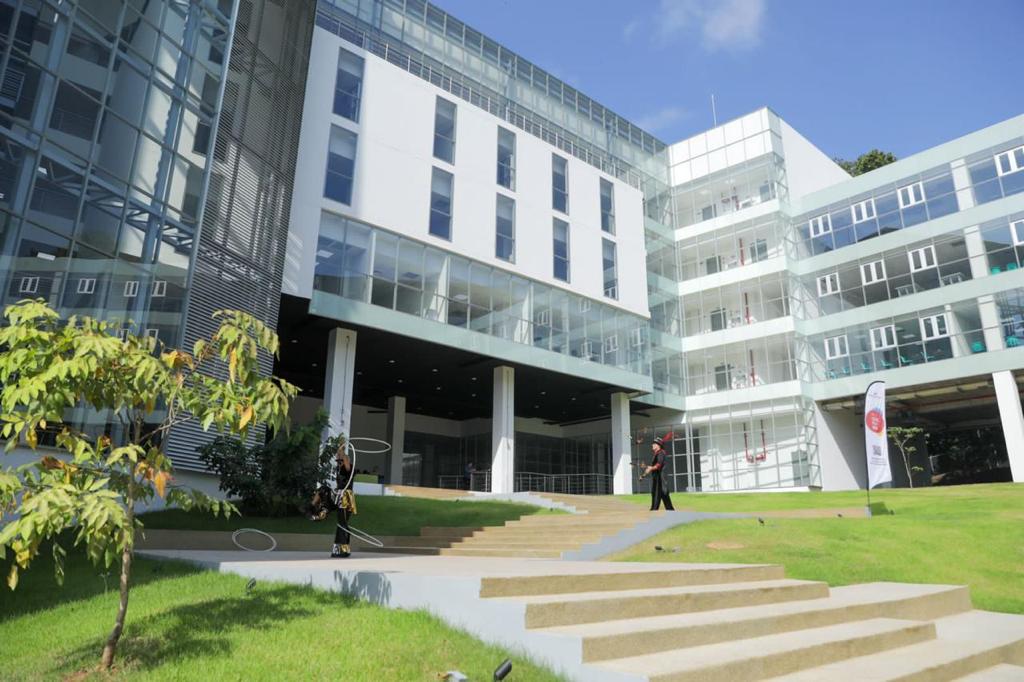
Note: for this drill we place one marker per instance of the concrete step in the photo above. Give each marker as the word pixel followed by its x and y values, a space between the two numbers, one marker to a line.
pixel 397 549
pixel 604 528
pixel 635 636
pixel 521 553
pixel 592 607
pixel 427 493
pixel 409 541
pixel 578 519
pixel 512 535
pixel 452 532
pixel 683 575
pixel 761 657
pixel 964 644
pixel 1004 672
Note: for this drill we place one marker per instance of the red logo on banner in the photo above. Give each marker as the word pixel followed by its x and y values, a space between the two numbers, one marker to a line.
pixel 875 421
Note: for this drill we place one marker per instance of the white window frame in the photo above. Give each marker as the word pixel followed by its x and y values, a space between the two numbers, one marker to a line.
pixel 876 266
pixel 587 350
pixel 87 285
pixel 837 347
pixel 1011 158
pixel 1017 232
pixel 131 288
pixel 122 334
pixel 28 285
pixel 933 321
pixel 543 318
pixel 878 337
pixel 636 337
pixel 867 211
pixel 159 288
pixel 153 333
pixel 925 253
pixel 611 343
pixel 827 280
pixel 820 225
pixel 914 195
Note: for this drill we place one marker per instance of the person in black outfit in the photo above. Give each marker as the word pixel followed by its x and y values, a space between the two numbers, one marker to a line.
pixel 659 491
pixel 346 503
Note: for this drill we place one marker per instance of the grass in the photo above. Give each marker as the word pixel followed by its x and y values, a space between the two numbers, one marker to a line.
pixel 377 516
pixel 747 502
pixel 964 535
pixel 186 624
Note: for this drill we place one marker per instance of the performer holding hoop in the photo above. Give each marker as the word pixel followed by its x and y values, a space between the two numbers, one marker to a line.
pixel 346 501
pixel 659 491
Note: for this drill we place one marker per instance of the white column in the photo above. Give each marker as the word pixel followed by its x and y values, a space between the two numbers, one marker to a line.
pixel 975 244
pixel 396 436
pixel 503 431
pixel 1010 414
pixel 622 472
pixel 988 312
pixel 339 380
pixel 962 184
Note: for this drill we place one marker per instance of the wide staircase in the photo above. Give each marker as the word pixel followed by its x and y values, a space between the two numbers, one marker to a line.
pixel 690 623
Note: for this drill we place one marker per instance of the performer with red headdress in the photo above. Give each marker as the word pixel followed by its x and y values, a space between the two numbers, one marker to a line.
pixel 659 491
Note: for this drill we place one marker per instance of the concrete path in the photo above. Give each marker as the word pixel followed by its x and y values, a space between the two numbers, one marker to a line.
pixel 602 621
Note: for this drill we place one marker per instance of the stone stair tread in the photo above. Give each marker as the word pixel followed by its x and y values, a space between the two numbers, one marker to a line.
pixel 1004 672
pixel 694 660
pixel 840 598
pixel 958 637
pixel 659 591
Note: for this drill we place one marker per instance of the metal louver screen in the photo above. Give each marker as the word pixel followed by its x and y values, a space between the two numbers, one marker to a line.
pixel 240 255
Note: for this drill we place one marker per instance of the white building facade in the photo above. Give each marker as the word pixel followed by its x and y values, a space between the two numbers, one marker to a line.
pixel 519 289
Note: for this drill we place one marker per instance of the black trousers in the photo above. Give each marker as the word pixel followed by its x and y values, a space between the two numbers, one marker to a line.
pixel 659 493
pixel 341 534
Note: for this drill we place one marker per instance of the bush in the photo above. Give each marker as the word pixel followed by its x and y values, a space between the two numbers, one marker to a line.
pixel 274 479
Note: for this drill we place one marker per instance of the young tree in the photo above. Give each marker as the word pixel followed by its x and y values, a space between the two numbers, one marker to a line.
pixel 903 438
pixel 866 162
pixel 49 366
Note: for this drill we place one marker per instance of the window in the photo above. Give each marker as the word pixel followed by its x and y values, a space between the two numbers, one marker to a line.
pixel 911 195
pixel 723 377
pixel 587 350
pixel 1017 232
pixel 444 130
pixel 611 279
pixel 821 225
pixel 864 210
pixel 828 284
pixel 543 318
pixel 159 288
pixel 559 183
pixel 1010 161
pixel 131 288
pixel 836 347
pixel 607 206
pixel 505 227
pixel 348 85
pixel 87 285
pixel 636 337
pixel 922 259
pixel 758 250
pixel 611 343
pixel 153 333
pixel 561 249
pixel 872 272
pixel 28 285
pixel 506 158
pixel 341 165
pixel 883 337
pixel 934 327
pixel 441 204
pixel 123 333
pixel 718 319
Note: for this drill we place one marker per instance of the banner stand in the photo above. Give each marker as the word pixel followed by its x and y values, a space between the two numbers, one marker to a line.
pixel 876 441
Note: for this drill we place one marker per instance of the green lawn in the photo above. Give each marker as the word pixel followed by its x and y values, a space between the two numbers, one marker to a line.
pixel 377 516
pixel 187 624
pixel 967 535
pixel 745 502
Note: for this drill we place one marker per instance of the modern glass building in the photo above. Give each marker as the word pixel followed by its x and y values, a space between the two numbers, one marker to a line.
pixel 475 261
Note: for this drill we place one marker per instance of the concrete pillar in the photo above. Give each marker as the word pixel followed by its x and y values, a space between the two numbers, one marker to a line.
pixel 396 436
pixel 976 253
pixel 622 449
pixel 1010 414
pixel 339 380
pixel 962 184
pixel 988 312
pixel 503 431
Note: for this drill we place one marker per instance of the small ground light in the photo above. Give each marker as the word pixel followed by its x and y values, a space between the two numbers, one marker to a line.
pixel 503 670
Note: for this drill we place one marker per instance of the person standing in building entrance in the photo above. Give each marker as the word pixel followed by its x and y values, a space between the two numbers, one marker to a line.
pixel 659 491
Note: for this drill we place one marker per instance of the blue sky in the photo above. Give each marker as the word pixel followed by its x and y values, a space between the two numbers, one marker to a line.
pixel 901 75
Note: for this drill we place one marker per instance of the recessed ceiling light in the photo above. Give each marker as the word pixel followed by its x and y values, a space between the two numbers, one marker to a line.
pixel 473 395
pixel 573 398
pixel 472 378
pixel 543 392
pixel 295 340
pixel 314 364
pixel 536 407
pixel 359 373
pixel 438 388
pixel 391 362
pixel 401 380
pixel 434 370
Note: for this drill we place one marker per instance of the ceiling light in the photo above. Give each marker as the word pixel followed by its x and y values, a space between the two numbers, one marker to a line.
pixel 314 364
pixel 295 340
pixel 401 380
pixel 434 370
pixel 472 378
pixel 536 407
pixel 438 388
pixel 473 395
pixel 391 362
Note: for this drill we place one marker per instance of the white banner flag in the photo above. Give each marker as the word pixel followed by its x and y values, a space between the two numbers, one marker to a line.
pixel 875 441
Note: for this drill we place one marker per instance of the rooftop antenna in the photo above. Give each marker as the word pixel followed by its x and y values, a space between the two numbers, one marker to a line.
pixel 714 114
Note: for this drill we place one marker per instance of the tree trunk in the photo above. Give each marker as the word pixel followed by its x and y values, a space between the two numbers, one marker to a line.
pixel 906 463
pixel 110 647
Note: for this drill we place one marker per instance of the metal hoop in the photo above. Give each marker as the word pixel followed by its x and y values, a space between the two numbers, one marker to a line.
pixel 365 537
pixel 386 448
pixel 234 539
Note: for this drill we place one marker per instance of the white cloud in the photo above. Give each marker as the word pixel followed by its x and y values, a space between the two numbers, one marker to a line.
pixel 630 29
pixel 722 24
pixel 661 119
